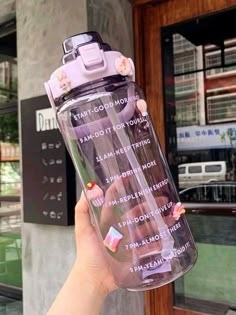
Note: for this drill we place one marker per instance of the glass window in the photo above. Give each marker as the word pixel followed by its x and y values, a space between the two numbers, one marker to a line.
pixel 198 194
pixel 195 169
pixel 213 59
pixel 8 81
pixel 183 84
pixel 10 207
pixel 180 44
pixel 186 112
pixel 222 192
pixel 221 108
pixel 228 193
pixel 213 168
pixel 211 285
pixel 190 194
pixel 10 177
pixel 182 170
pixel 200 108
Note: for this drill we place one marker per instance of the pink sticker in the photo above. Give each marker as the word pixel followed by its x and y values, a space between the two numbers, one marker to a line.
pixel 123 66
pixel 112 239
pixel 178 210
pixel 95 194
pixel 63 82
pixel 142 106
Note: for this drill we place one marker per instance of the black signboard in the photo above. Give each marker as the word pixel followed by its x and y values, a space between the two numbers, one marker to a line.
pixel 49 188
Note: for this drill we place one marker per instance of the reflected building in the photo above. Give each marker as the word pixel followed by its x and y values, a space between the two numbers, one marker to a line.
pixel 205 99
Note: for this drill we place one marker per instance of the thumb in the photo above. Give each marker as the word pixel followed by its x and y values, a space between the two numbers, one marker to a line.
pixel 82 217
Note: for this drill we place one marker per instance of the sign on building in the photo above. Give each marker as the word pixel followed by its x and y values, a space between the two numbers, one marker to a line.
pixel 218 136
pixel 49 188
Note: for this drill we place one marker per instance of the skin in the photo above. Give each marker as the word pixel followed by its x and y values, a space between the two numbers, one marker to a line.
pixel 90 279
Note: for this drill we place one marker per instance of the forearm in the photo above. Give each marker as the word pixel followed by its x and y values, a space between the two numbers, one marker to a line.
pixel 79 296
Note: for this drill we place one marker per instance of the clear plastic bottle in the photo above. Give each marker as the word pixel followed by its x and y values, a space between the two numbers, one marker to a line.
pixel 102 115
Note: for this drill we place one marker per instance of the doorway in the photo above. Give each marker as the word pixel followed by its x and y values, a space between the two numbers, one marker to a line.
pixel 186 58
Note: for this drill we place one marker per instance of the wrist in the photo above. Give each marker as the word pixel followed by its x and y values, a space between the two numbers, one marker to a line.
pixel 79 295
pixel 93 285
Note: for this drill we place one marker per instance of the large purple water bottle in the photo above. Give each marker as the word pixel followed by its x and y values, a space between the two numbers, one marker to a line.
pixel 103 117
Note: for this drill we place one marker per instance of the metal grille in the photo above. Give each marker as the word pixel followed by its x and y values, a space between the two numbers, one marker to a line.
pixel 185 60
pixel 184 84
pixel 186 112
pixel 213 59
pixel 8 81
pixel 181 44
pixel 221 108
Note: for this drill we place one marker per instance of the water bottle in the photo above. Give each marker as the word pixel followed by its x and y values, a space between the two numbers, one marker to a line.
pixel 103 117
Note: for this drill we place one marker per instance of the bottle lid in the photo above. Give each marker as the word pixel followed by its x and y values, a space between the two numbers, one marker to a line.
pixel 71 44
pixel 86 58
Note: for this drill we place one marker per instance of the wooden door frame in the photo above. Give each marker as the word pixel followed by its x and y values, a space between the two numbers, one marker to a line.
pixel 148 18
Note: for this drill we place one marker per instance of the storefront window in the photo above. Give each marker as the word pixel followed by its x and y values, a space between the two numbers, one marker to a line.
pixel 10 210
pixel 201 141
pixel 10 176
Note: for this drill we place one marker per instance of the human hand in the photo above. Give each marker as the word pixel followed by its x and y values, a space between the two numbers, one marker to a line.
pixel 90 279
pixel 90 261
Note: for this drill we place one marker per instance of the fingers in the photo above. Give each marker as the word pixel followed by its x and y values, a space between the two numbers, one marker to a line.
pixel 82 217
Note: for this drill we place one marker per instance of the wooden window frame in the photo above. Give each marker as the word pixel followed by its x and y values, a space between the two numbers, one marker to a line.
pixel 147 40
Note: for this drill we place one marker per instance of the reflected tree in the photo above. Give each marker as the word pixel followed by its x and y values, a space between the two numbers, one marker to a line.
pixel 9 134
pixel 9 128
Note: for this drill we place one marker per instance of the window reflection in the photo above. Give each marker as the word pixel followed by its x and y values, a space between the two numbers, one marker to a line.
pixel 200 104
pixel 10 178
pixel 211 285
pixel 220 192
pixel 191 174
pixel 8 79
pixel 205 111
pixel 10 209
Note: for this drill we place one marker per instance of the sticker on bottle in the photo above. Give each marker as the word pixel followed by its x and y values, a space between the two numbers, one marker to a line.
pixel 64 83
pixel 95 194
pixel 142 107
pixel 112 239
pixel 178 210
pixel 123 66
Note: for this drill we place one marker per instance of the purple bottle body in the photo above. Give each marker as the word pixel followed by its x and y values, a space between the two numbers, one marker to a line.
pixel 108 132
